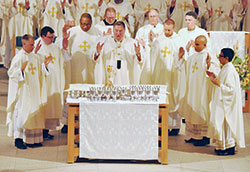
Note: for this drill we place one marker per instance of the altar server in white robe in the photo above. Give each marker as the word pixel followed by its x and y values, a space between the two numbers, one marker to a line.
pixel 78 7
pixel 146 35
pixel 55 82
pixel 224 15
pixel 226 121
pixel 118 57
pixel 25 116
pixel 142 8
pixel 194 106
pixel 5 49
pixel 53 14
pixel 124 12
pixel 105 27
pixel 178 9
pixel 164 54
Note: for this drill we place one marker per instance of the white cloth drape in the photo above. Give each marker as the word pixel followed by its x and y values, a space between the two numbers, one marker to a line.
pixel 118 131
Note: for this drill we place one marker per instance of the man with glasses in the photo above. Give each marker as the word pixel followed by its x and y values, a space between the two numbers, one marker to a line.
pixel 55 81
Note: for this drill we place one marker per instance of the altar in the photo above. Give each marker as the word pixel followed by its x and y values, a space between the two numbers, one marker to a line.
pixel 131 130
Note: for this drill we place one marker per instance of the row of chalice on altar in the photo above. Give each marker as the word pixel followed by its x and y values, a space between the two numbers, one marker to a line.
pixel 130 93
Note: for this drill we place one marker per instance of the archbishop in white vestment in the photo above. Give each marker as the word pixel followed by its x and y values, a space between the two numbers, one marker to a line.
pixel 118 59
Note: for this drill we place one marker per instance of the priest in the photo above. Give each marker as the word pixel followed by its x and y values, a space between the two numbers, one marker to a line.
pixel 164 55
pixel 194 105
pixel 105 27
pixel 55 82
pixel 119 58
pixel 226 121
pixel 25 116
pixel 146 35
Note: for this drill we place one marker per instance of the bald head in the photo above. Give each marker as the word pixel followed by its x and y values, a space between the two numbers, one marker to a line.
pixel 200 43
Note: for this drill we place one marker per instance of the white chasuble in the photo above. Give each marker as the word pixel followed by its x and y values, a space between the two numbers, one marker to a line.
pixel 188 35
pixel 21 21
pixel 55 82
pixel 226 106
pixel 122 10
pixel 221 20
pixel 143 6
pixel 86 6
pixel 120 62
pixel 26 89
pixel 195 104
pixel 182 7
pixel 81 46
pixel 53 16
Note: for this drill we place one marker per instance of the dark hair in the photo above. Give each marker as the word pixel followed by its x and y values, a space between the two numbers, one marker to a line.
pixel 86 15
pixel 27 37
pixel 45 30
pixel 119 23
pixel 228 52
pixel 191 13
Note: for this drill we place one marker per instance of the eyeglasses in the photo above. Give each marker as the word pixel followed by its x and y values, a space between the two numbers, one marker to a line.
pixel 221 55
pixel 50 37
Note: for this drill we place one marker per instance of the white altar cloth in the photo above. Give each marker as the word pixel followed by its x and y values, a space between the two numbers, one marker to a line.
pixel 114 130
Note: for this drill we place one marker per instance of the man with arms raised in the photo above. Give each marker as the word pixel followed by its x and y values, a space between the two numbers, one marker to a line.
pixel 146 35
pixel 164 54
pixel 25 117
pixel 55 81
pixel 118 58
pixel 195 104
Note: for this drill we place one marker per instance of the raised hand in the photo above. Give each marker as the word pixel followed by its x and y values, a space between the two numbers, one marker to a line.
pixel 14 3
pixel 99 47
pixel 75 2
pixel 142 42
pixel 45 2
pixel 100 3
pixel 173 2
pixel 66 40
pixel 189 44
pixel 151 36
pixel 208 61
pixel 63 2
pixel 213 78
pixel 181 52
pixel 137 51
pixel 24 65
pixel 109 32
pixel 47 60
pixel 195 4
pixel 231 13
pixel 210 12
pixel 38 46
pixel 27 4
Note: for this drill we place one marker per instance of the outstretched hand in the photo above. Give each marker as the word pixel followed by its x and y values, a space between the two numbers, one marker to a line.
pixel 208 61
pixel 181 52
pixel 213 78
pixel 47 60
pixel 137 51
pixel 38 46
pixel 24 65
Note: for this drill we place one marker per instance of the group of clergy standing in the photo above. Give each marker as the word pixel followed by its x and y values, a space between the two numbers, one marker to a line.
pixel 18 17
pixel 90 52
